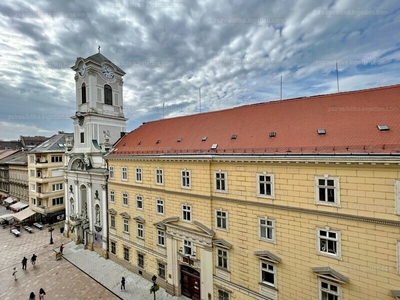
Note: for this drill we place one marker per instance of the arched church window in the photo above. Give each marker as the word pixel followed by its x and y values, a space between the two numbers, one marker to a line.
pixel 83 93
pixel 108 95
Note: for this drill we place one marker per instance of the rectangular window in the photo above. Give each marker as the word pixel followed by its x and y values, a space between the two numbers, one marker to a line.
pixel 223 295
pixel 126 253
pixel 187 247
pixel 112 221
pixel 139 202
pixel 329 290
pixel 327 190
pixel 140 260
pixel 222 258
pixel 160 206
pixel 82 137
pixel 265 185
pixel 221 219
pixel 159 177
pixel 220 181
pixel 138 176
pixel 33 201
pixel 114 248
pixel 33 187
pixel 124 173
pixel 185 179
pixel 55 159
pixel 268 273
pixel 32 173
pixel 186 213
pixel 31 159
pixel 111 172
pixel 161 238
pixel 328 242
pixel 57 187
pixel 125 199
pixel 112 196
pixel 58 201
pixel 126 226
pixel 140 230
pixel 161 270
pixel 267 229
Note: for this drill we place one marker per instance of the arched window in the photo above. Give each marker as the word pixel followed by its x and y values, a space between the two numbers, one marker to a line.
pixel 83 93
pixel 108 95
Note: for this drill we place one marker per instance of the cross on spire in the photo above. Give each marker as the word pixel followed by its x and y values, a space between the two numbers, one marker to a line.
pixel 99 48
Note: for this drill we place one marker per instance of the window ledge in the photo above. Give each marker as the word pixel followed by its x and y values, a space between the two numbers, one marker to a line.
pixel 329 255
pixel 268 286
pixel 328 204
pixel 267 241
pixel 223 269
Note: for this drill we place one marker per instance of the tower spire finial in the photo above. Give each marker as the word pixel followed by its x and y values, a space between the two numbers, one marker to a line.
pixel 99 48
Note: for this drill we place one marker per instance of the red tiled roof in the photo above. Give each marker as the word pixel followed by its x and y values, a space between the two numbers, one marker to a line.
pixel 350 120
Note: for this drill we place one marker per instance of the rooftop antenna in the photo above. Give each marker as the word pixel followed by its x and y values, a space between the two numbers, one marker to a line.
pixel 337 77
pixel 99 48
pixel 200 98
pixel 281 87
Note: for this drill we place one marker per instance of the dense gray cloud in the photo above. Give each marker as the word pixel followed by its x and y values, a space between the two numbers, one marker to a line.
pixel 234 51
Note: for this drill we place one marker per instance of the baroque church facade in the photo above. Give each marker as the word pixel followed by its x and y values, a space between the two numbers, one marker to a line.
pixel 98 123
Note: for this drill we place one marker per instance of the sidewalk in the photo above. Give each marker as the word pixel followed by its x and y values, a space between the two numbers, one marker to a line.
pixel 109 274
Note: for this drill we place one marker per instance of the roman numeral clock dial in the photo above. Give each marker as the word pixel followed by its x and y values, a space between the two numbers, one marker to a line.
pixel 107 72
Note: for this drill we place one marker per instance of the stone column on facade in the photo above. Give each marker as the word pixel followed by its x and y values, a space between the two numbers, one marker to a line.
pixel 172 264
pixel 67 208
pixel 90 207
pixel 78 207
pixel 206 274
pixel 104 220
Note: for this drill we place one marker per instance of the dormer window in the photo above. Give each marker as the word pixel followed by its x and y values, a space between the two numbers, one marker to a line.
pixel 83 93
pixel 108 95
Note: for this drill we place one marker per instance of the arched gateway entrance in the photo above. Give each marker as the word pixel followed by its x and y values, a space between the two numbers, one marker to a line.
pixel 190 280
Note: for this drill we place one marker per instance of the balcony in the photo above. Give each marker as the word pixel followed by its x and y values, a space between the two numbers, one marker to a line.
pixel 40 161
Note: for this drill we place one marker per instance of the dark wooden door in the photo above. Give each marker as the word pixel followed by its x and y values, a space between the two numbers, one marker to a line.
pixel 190 280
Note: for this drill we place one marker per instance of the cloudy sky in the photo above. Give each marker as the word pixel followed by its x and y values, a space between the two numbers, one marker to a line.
pixel 234 51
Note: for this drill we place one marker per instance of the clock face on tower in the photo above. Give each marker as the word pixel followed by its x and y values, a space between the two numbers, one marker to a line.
pixel 107 71
pixel 82 68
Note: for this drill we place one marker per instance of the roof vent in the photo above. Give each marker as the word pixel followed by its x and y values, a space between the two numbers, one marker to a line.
pixel 179 140
pixel 272 134
pixel 204 139
pixel 383 127
pixel 158 141
pixel 214 146
pixel 140 142
pixel 321 131
pixel 234 136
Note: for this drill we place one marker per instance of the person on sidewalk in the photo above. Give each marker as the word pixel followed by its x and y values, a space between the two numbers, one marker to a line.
pixel 41 294
pixel 123 283
pixel 32 296
pixel 24 262
pixel 61 249
pixel 15 273
pixel 33 259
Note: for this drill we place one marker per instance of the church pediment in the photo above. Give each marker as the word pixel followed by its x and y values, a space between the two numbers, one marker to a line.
pixel 330 274
pixel 268 255
pixel 222 243
pixel 204 228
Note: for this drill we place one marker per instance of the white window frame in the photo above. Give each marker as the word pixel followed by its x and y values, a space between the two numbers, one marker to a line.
pixel 57 187
pixel 159 176
pixel 186 179
pixel 138 173
pixel 265 183
pixel 268 224
pixel 139 199
pixel 33 201
pixel 398 256
pixel 187 211
pixel 336 255
pixel 159 268
pixel 274 272
pixel 140 230
pixel 160 237
pixel 57 201
pixel 224 295
pixel 111 172
pixel 33 187
pixel 397 196
pixel 219 216
pixel 112 196
pixel 32 173
pixel 224 255
pixel 329 282
pixel 126 226
pixel 125 203
pixel 225 180
pixel 112 220
pixel 187 245
pixel 124 173
pixel 160 209
pixel 32 159
pixel 336 189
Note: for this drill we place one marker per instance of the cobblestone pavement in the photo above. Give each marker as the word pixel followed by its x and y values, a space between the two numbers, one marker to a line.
pixel 80 274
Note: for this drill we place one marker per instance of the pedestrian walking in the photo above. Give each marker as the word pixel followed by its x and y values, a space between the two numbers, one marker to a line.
pixel 32 296
pixel 41 294
pixel 24 262
pixel 61 248
pixel 33 259
pixel 15 273
pixel 123 283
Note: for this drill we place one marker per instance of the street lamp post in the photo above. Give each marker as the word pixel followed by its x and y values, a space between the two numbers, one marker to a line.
pixel 155 286
pixel 51 235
